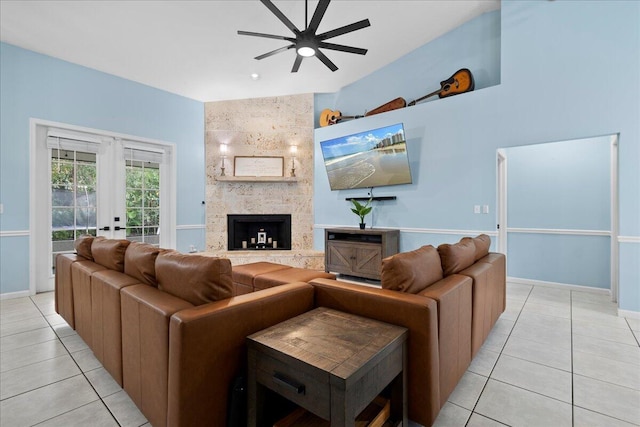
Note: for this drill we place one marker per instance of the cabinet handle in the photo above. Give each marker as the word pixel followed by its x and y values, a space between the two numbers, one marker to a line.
pixel 293 385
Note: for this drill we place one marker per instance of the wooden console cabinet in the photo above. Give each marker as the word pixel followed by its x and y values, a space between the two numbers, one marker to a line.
pixel 358 252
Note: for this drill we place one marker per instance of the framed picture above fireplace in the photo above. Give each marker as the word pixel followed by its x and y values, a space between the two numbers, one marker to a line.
pixel 258 166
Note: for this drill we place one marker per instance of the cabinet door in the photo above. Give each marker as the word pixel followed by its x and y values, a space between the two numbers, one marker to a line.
pixel 339 257
pixel 368 261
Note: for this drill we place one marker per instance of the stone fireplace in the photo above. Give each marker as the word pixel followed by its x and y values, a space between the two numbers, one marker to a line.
pixel 261 127
pixel 259 232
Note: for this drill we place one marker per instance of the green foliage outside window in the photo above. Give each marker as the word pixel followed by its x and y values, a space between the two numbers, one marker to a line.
pixel 143 201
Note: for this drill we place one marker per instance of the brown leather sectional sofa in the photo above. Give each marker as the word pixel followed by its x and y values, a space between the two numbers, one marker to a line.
pixel 169 329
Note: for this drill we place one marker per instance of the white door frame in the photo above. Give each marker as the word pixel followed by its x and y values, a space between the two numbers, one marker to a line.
pixel 614 219
pixel 502 201
pixel 40 278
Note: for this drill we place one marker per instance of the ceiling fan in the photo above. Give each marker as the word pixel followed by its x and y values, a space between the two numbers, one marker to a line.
pixel 307 43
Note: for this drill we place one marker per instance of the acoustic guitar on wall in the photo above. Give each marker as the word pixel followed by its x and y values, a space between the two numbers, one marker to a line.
pixel 329 117
pixel 460 82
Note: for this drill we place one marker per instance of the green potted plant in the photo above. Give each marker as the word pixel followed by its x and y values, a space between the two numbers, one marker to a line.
pixel 361 210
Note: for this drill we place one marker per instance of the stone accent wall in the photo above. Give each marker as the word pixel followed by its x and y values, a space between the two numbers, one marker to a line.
pixel 261 127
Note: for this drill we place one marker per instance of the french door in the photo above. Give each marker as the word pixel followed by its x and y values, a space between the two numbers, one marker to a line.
pixel 101 185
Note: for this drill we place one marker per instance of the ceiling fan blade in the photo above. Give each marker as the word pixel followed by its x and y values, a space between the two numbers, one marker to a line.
pixel 343 30
pixel 273 52
pixel 296 63
pixel 268 36
pixel 343 48
pixel 272 7
pixel 318 14
pixel 326 61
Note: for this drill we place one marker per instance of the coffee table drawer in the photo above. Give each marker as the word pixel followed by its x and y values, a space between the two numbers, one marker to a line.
pixel 298 385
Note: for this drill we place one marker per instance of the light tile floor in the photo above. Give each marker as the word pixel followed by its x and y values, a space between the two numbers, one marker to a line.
pixel 555 358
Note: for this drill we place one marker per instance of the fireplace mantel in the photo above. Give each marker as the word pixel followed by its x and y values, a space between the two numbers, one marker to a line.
pixel 256 178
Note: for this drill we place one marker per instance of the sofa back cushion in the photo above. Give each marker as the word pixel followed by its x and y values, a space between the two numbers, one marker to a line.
pixel 82 245
pixel 458 256
pixel 109 253
pixel 483 243
pixel 412 271
pixel 140 262
pixel 197 279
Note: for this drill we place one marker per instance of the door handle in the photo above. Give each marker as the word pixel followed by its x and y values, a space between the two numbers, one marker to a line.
pixel 107 228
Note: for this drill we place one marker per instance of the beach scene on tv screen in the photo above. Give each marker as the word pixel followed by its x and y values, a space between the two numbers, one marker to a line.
pixel 368 159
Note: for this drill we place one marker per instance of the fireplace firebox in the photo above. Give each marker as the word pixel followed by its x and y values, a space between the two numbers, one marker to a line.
pixel 259 232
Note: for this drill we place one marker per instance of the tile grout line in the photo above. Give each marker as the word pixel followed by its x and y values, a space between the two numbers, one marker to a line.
pixel 636 336
pixel 473 411
pixel 82 372
pixel 573 406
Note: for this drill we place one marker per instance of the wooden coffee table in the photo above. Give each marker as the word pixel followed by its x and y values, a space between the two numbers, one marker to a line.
pixel 330 363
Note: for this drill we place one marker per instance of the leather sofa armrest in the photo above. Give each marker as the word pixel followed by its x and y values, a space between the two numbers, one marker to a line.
pixel 416 313
pixel 453 295
pixel 208 348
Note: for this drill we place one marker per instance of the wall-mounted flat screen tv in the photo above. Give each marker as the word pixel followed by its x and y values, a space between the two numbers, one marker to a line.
pixel 373 158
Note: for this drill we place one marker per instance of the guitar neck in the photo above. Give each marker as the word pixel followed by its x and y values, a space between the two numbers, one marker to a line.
pixel 414 102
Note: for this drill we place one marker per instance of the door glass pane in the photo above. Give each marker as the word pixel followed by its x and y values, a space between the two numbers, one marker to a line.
pixel 143 201
pixel 73 199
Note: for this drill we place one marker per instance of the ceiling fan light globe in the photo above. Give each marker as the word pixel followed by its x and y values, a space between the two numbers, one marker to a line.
pixel 306 51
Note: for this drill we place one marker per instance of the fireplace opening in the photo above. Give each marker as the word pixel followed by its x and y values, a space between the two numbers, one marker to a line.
pixel 259 232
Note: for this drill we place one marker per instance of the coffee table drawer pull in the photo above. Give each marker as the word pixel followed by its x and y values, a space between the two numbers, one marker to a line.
pixel 288 383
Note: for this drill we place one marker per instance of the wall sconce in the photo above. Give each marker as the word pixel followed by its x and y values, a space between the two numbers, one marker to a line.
pixel 223 152
pixel 294 150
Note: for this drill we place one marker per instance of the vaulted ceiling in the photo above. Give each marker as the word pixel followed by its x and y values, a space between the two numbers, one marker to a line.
pixel 192 48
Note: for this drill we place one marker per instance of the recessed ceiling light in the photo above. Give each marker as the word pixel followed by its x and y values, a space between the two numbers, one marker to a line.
pixel 255 76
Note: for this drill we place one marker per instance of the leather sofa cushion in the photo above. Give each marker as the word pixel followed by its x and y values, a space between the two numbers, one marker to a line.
pixel 109 253
pixel 482 243
pixel 458 256
pixel 82 246
pixel 412 271
pixel 197 279
pixel 140 262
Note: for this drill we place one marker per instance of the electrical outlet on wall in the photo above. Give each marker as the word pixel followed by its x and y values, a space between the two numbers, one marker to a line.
pixel 485 209
pixel 1 208
pixel 476 209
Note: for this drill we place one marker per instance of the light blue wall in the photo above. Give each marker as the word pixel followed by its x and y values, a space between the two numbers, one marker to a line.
pixel 475 46
pixel 564 185
pixel 558 62
pixel 38 86
pixel 555 187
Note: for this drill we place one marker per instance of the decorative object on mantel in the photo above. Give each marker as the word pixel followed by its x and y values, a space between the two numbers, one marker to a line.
pixel 294 150
pixel 361 210
pixel 307 43
pixel 258 166
pixel 223 152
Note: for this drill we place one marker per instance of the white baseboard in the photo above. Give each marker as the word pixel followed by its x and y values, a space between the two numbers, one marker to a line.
pixel 568 286
pixel 12 295
pixel 628 313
